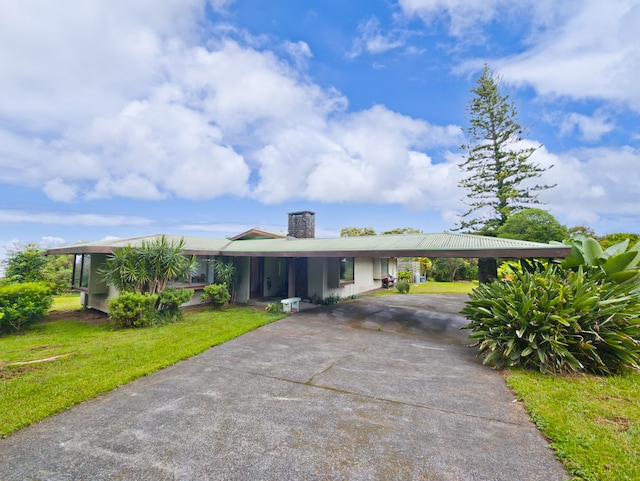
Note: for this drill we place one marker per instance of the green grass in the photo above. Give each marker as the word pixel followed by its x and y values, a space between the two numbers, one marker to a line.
pixel 101 358
pixel 593 422
pixel 66 302
pixel 432 287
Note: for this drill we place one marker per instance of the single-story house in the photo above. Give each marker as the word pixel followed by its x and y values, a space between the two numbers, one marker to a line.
pixel 298 264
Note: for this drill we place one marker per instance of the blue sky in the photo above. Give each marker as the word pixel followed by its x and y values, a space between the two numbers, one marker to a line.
pixel 196 117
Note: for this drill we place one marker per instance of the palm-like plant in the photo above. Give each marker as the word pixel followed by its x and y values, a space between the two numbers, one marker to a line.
pixel 148 268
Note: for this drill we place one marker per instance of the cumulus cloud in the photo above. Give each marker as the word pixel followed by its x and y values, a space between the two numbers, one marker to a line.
pixel 591 128
pixel 141 109
pixel 594 54
pixel 592 183
pixel 366 156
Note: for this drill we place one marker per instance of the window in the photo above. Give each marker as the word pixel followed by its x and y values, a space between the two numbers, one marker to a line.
pixel 346 270
pixel 384 267
pixel 81 268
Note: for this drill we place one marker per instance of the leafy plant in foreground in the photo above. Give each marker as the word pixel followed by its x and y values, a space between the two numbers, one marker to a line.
pixel 617 262
pixel 133 309
pixel 556 323
pixel 169 302
pixel 23 304
pixel 216 294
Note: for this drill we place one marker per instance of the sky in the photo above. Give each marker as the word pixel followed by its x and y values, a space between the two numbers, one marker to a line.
pixel 122 118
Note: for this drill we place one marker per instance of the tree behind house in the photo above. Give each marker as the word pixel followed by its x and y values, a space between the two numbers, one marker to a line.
pixel 498 167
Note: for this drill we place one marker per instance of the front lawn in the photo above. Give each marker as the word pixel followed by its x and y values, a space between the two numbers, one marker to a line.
pixel 593 422
pixel 432 287
pixel 96 358
pixel 67 302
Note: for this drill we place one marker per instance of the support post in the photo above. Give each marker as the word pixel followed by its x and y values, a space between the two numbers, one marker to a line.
pixel 487 270
pixel 291 284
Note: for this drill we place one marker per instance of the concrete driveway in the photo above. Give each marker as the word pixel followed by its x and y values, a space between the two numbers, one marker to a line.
pixel 373 389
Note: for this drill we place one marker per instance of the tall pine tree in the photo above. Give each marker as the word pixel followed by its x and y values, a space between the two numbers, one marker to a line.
pixel 496 165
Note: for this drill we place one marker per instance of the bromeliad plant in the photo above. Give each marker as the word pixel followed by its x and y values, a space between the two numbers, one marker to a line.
pixel 618 262
pixel 557 321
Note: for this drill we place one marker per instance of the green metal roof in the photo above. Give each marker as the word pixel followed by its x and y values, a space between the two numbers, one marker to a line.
pixel 192 245
pixel 402 245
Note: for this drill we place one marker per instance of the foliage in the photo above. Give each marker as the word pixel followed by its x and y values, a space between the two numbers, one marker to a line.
pixel 402 230
pixel 169 302
pixel 618 262
pixel 356 231
pixel 592 422
pixel 216 294
pixel 226 273
pixel 498 166
pixel 57 272
pixel 535 225
pixel 148 268
pixel 332 299
pixel 556 323
pixel 581 230
pixel 450 269
pixel 403 286
pixel 133 309
pixel 103 358
pixel 404 276
pixel 426 265
pixel 273 308
pixel 23 304
pixel 25 263
pixel 611 239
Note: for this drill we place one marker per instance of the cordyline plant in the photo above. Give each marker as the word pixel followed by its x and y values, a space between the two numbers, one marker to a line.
pixel 148 268
pixel 557 321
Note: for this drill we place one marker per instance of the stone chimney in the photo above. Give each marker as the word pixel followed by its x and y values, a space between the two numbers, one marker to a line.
pixel 302 225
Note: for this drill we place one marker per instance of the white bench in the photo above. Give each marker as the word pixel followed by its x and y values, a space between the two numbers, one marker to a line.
pixel 292 304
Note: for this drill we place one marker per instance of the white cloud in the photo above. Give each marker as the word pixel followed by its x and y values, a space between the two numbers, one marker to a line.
pixel 58 190
pixel 366 156
pixel 594 54
pixel 221 5
pixel 591 128
pixel 140 109
pixel 63 218
pixel 374 41
pixel 575 49
pixel 592 184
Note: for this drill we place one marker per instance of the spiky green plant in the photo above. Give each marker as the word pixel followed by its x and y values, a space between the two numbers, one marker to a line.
pixel 553 322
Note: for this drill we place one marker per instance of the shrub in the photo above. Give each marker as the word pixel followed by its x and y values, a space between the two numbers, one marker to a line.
pixel 216 294
pixel 273 308
pixel 403 286
pixel 169 302
pixel 23 304
pixel 404 276
pixel 132 309
pixel 332 299
pixel 557 322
